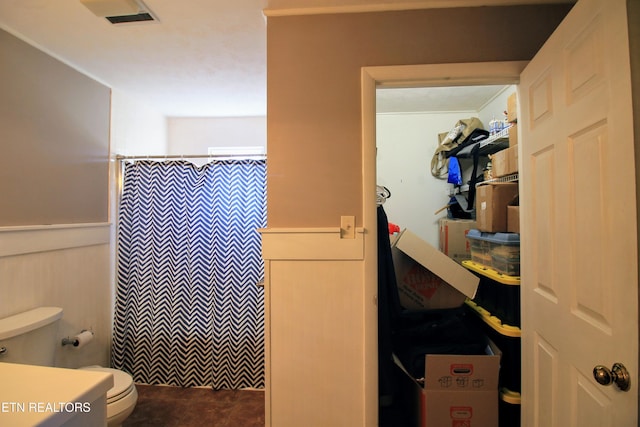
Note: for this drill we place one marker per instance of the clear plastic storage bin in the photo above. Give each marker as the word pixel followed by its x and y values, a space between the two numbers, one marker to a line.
pixel 500 251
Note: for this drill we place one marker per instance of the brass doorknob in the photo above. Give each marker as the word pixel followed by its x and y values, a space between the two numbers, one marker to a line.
pixel 618 374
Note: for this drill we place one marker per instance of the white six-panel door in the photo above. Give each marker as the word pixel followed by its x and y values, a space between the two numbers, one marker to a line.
pixel 579 229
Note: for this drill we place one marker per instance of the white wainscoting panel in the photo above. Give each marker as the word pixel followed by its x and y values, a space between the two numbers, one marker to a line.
pixel 315 328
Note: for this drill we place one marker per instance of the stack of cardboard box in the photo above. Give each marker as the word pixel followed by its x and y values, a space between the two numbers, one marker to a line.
pixel 497 207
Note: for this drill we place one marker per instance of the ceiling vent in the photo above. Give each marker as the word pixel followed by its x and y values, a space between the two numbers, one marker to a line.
pixel 120 11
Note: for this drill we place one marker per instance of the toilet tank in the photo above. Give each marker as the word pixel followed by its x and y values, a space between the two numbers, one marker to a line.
pixel 30 337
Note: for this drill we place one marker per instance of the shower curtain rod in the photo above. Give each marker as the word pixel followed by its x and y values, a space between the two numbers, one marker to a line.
pixel 192 156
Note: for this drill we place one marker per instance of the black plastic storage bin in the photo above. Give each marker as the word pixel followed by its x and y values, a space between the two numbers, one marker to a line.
pixel 497 293
pixel 509 408
pixel 507 338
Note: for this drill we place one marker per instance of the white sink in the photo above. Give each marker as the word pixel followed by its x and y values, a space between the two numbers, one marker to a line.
pixel 44 396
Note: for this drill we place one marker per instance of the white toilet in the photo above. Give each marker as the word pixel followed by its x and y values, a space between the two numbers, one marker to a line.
pixel 31 338
pixel 121 398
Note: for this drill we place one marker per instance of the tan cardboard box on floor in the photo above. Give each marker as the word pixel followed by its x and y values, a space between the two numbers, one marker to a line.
pixel 491 205
pixel 427 278
pixel 453 238
pixel 459 390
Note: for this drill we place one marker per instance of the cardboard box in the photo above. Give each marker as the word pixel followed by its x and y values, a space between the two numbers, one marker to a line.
pixel 512 108
pixel 453 238
pixel 513 219
pixel 491 205
pixel 513 134
pixel 499 163
pixel 505 162
pixel 459 390
pixel 427 278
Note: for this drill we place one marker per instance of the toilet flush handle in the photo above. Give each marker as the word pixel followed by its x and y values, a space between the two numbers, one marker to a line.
pixel 3 350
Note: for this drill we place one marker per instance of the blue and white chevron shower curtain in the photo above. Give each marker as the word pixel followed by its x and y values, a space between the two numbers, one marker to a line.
pixel 187 310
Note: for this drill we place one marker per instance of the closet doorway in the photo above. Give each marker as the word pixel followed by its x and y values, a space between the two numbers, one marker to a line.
pixel 411 76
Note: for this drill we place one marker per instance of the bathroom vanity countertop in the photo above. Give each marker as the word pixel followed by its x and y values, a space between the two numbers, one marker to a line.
pixel 45 396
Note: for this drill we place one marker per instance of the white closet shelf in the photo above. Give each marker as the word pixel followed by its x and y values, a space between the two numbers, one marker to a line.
pixel 508 178
pixel 464 188
pixel 497 138
pixel 487 146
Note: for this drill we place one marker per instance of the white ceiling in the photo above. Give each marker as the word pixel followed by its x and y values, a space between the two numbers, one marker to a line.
pixel 435 99
pixel 202 58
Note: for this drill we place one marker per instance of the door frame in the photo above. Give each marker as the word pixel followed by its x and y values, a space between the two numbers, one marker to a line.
pixel 403 76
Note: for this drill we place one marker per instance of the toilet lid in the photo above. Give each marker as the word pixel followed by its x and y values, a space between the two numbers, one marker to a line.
pixel 122 382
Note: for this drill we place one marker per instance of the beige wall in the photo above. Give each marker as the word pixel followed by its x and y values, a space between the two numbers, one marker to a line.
pixel 195 135
pixel 55 140
pixel 313 92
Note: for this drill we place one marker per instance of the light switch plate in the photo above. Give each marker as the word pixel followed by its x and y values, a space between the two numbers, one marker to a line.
pixel 347 227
